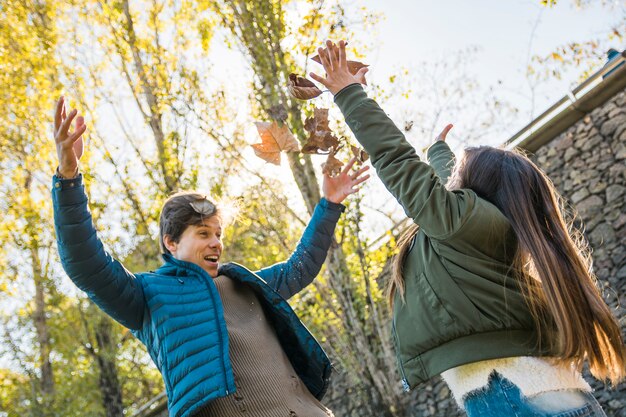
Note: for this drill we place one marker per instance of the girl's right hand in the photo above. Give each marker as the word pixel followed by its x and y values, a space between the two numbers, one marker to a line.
pixel 69 144
pixel 336 66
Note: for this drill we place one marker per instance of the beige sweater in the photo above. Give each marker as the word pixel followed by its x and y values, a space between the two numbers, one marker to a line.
pixel 267 385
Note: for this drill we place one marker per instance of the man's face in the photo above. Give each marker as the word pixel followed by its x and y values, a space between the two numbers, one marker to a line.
pixel 201 245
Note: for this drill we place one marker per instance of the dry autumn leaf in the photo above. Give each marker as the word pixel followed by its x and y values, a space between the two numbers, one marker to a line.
pixel 302 88
pixel 332 166
pixel 360 154
pixel 274 139
pixel 321 139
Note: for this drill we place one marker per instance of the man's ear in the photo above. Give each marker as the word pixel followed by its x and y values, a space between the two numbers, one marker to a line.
pixel 169 244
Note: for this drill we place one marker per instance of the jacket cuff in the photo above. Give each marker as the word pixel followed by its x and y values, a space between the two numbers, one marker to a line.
pixel 68 192
pixel 435 148
pixel 349 98
pixel 331 206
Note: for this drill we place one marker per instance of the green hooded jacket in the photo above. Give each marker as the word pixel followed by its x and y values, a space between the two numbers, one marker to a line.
pixel 462 303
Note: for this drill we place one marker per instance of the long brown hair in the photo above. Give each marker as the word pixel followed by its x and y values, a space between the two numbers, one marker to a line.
pixel 552 260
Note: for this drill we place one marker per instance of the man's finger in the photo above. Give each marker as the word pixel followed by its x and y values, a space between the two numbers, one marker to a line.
pixel 360 171
pixel 57 114
pixel 349 166
pixel 78 147
pixel 78 133
pixel 361 180
pixel 68 121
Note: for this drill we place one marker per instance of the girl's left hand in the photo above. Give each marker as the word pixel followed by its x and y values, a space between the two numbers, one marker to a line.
pixel 336 66
pixel 337 188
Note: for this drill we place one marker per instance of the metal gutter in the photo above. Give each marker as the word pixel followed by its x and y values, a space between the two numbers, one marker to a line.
pixel 153 407
pixel 593 92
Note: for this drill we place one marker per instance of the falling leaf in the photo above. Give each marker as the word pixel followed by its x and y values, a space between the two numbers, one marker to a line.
pixel 321 138
pixel 408 125
pixel 332 166
pixel 278 112
pixel 302 88
pixel 360 154
pixel 274 139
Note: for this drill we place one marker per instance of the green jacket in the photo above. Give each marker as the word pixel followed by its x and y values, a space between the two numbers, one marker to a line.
pixel 462 303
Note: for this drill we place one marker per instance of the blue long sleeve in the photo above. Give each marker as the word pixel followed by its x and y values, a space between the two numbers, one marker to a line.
pixel 83 257
pixel 291 276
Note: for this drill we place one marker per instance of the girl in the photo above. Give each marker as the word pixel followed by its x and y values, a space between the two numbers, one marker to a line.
pixel 224 339
pixel 489 289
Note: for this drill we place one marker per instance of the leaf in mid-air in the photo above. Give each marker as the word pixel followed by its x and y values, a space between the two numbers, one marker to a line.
pixel 360 154
pixel 302 88
pixel 321 138
pixel 332 166
pixel 274 139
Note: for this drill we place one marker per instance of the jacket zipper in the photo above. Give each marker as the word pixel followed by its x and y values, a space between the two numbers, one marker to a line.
pixel 219 327
pixel 405 382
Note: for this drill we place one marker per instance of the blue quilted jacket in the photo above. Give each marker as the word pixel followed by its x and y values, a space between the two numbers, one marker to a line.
pixel 176 310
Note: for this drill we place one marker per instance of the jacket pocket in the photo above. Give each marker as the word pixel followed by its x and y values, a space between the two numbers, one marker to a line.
pixel 433 303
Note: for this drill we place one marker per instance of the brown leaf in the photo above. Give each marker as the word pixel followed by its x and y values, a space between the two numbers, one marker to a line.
pixel 274 139
pixel 302 88
pixel 319 121
pixel 321 138
pixel 361 155
pixel 332 166
pixel 408 125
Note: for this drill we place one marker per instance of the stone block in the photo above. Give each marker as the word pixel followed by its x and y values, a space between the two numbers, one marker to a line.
pixel 614 193
pixel 590 142
pixel 601 234
pixel 579 195
pixel 609 127
pixel 589 206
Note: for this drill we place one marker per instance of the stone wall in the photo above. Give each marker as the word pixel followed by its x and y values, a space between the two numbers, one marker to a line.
pixel 587 164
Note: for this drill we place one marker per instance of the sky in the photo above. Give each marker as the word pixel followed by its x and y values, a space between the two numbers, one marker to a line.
pixel 506 33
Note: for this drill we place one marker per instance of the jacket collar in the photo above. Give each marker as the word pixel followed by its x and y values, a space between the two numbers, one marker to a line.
pixel 176 267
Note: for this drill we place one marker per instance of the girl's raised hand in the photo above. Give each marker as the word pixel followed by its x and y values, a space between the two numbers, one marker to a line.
pixel 444 133
pixel 337 188
pixel 69 144
pixel 336 66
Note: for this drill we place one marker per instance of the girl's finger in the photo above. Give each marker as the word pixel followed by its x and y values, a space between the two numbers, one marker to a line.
pixel 342 54
pixel 324 58
pixel 360 75
pixel 319 79
pixel 332 50
pixel 444 132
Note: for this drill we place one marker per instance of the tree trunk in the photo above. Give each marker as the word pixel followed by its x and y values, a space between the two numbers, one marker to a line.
pixel 108 381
